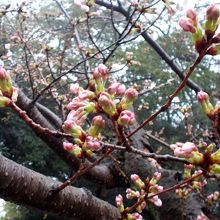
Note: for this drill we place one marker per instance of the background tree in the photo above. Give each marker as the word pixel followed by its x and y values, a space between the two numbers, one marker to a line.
pixel 49 46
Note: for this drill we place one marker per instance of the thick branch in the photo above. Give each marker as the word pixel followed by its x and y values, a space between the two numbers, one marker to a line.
pixel 24 186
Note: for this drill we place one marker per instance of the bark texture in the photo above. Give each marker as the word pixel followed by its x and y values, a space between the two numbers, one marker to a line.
pixel 27 187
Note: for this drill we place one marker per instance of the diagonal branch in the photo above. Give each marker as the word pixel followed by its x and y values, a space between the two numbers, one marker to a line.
pixel 160 51
pixel 27 187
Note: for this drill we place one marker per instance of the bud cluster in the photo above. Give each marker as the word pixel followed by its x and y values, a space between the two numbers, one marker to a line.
pixel 208 160
pixel 200 39
pixel 96 99
pixel 140 191
pixel 196 184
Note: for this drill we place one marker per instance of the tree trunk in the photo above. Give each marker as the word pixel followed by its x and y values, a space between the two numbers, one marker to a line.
pixel 26 187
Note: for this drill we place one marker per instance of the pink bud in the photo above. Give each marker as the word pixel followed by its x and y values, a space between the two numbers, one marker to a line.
pixel 116 89
pixel 188 147
pixel 157 176
pixel 92 143
pixel 131 94
pixel 119 200
pixel 68 146
pixel 213 13
pixel 187 25
pixel 156 201
pixel 202 96
pixel 102 69
pixel 98 121
pixel 126 118
pixel 74 88
pixel 96 73
pixel 107 104
pixel 134 177
pixel 191 14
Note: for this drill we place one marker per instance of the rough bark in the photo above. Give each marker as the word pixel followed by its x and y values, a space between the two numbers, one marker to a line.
pixel 27 187
pixel 101 174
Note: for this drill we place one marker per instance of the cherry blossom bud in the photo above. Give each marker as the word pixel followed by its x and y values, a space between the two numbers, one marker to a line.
pixel 213 13
pixel 212 18
pixel 129 96
pixel 70 127
pixel 202 96
pixel 92 143
pixel 207 107
pixel 5 83
pixel 73 149
pixel 157 176
pixel 126 118
pixel 156 201
pixel 68 146
pixel 130 194
pixel 98 123
pixel 76 103
pixel 116 89
pixel 107 104
pixel 155 188
pixel 192 15
pixel 103 70
pixel 137 181
pixel 187 25
pixel 74 88
pixel 119 202
pixel 4 101
pixel 86 94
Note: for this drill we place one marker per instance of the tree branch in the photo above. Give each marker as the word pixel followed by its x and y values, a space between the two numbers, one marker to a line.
pixel 27 187
pixel 160 51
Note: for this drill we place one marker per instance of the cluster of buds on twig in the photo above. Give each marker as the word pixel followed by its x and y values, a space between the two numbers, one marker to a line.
pixel 208 33
pixel 208 160
pixel 8 93
pixel 96 99
pixel 197 183
pixel 212 197
pixel 142 191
